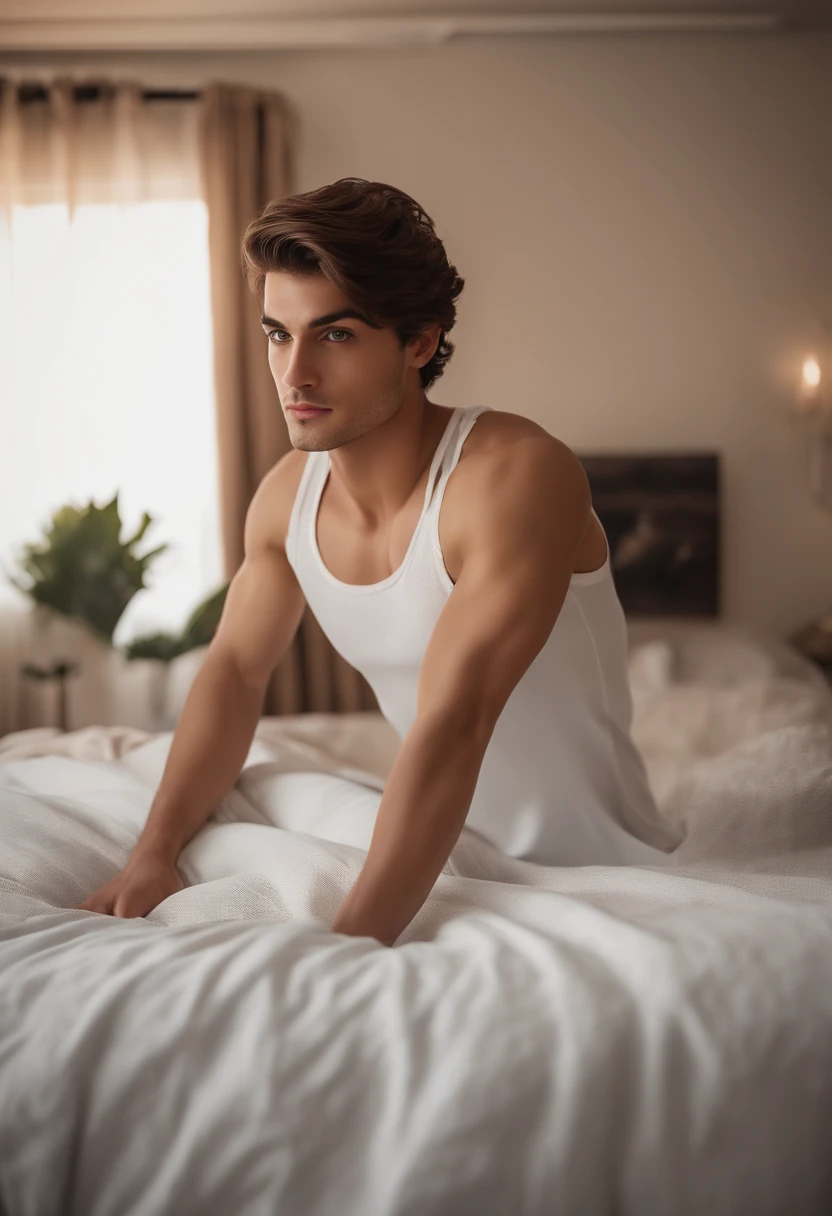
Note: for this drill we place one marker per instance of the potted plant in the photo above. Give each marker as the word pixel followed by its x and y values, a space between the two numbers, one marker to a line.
pixel 81 571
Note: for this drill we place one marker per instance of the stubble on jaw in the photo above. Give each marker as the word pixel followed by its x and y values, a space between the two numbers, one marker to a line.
pixel 325 434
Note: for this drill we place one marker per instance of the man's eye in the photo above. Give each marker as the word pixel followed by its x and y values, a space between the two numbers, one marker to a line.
pixel 271 334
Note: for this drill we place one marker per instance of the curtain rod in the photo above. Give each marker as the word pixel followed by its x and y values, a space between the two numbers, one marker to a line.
pixel 27 93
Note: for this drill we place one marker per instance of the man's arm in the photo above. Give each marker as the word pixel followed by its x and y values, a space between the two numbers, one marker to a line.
pixel 261 613
pixel 262 610
pixel 528 511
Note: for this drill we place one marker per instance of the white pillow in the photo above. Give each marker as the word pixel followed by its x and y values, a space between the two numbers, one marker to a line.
pixel 720 655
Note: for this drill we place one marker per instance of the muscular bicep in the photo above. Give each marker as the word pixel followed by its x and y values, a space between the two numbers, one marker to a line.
pixel 264 603
pixel 527 517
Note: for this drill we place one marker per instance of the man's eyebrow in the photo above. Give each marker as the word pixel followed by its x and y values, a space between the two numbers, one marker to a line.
pixel 339 315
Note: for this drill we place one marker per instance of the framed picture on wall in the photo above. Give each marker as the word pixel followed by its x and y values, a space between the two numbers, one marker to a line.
pixel 661 515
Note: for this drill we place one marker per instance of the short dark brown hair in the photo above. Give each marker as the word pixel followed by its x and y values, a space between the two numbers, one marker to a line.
pixel 375 243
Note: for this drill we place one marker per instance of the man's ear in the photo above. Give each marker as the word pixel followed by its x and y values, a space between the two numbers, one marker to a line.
pixel 426 343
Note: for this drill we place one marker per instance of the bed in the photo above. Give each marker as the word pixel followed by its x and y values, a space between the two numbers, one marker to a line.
pixel 639 1041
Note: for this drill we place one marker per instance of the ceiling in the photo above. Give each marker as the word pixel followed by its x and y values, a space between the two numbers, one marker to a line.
pixel 65 10
pixel 287 24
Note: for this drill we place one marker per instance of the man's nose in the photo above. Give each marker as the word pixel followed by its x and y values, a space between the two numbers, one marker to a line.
pixel 300 368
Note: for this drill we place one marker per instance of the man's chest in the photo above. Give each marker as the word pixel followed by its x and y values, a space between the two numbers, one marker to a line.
pixel 360 555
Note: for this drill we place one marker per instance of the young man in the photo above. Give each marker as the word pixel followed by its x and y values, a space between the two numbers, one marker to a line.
pixel 451 555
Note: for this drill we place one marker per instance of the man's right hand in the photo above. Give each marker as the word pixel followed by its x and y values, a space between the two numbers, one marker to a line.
pixel 144 882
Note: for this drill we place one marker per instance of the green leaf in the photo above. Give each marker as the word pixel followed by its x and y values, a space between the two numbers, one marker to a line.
pixel 82 569
pixel 161 645
pixel 203 621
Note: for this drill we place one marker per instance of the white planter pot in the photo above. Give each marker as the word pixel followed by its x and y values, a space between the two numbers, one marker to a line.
pixel 107 689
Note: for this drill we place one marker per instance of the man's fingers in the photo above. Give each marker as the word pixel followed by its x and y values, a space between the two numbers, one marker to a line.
pixel 95 905
pixel 119 908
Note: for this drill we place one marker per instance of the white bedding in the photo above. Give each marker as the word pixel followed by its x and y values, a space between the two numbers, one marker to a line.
pixel 540 1040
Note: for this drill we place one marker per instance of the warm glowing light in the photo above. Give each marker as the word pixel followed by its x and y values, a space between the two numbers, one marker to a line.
pixel 811 372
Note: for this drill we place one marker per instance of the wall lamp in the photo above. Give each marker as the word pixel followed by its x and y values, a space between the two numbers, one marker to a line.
pixel 813 405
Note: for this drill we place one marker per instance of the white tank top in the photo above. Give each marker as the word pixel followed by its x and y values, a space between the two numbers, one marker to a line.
pixel 561 782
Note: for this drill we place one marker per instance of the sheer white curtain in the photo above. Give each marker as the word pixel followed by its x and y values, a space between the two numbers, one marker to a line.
pixel 106 380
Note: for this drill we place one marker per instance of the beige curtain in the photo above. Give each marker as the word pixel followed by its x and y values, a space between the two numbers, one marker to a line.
pixel 72 142
pixel 247 143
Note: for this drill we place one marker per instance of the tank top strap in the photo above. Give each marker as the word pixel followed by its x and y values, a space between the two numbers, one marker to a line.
pixel 439 456
pixel 457 436
pixel 314 469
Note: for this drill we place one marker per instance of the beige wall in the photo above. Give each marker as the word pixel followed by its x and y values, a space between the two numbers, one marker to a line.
pixel 645 229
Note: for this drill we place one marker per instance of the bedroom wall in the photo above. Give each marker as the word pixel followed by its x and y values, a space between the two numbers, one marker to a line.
pixel 644 224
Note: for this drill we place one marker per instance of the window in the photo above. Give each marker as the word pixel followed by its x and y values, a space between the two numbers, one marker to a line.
pixel 106 384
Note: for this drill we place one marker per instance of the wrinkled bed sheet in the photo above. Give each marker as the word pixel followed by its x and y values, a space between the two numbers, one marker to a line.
pixel 540 1039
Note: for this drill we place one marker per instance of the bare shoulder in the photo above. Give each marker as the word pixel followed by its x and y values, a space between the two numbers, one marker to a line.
pixel 270 508
pixel 511 468
pixel 501 444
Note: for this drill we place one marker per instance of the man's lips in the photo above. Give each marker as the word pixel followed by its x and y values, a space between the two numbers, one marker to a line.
pixel 308 411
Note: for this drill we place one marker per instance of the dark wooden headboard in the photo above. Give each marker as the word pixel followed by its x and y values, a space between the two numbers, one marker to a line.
pixel 661 514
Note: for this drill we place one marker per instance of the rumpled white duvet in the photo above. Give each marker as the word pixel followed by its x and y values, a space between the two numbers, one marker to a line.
pixel 637 1041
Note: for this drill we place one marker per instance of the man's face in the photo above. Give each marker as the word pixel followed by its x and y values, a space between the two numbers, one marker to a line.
pixel 359 373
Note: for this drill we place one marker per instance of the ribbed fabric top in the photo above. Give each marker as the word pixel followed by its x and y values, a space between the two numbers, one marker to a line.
pixel 562 782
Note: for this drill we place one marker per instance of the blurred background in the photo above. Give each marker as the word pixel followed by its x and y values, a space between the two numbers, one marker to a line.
pixel 639 198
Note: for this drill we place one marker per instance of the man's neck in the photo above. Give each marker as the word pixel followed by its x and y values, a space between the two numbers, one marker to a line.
pixel 378 472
